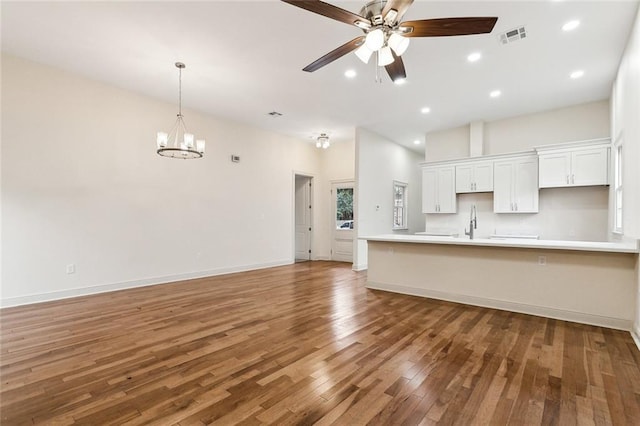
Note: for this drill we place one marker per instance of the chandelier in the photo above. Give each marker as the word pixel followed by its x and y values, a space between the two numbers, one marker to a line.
pixel 323 141
pixel 179 143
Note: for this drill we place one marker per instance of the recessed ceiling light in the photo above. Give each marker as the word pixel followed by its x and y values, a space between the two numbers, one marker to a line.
pixel 350 73
pixel 475 56
pixel 400 81
pixel 571 25
pixel 425 110
pixel 495 93
pixel 417 142
pixel 576 74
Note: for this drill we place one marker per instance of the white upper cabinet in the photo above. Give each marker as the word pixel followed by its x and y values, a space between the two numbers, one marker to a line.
pixel 574 166
pixel 474 177
pixel 438 190
pixel 516 185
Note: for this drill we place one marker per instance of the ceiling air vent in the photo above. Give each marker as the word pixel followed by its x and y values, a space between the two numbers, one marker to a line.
pixel 513 35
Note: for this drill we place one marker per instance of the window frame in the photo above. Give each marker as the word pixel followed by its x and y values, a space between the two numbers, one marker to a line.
pixel 405 206
pixel 618 186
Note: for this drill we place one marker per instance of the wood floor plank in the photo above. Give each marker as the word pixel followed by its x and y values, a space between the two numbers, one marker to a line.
pixel 302 344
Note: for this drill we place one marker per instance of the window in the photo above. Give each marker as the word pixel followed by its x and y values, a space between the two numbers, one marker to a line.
pixel 344 208
pixel 617 187
pixel 399 205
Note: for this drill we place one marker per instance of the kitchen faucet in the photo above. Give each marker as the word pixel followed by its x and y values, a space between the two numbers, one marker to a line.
pixel 473 222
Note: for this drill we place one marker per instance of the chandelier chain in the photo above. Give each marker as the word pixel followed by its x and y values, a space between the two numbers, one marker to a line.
pixel 179 92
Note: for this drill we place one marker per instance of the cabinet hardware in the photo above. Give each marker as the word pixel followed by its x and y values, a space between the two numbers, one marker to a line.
pixel 573 180
pixel 567 178
pixel 516 204
pixel 511 206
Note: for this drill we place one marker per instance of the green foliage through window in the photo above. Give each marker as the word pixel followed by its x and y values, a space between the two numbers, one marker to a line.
pixel 344 208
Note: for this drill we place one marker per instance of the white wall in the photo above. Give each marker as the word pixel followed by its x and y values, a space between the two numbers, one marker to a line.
pixel 574 123
pixel 82 184
pixel 625 113
pixel 572 214
pixel 447 144
pixel 380 161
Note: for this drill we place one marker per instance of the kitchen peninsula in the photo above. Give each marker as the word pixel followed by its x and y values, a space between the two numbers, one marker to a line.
pixel 586 282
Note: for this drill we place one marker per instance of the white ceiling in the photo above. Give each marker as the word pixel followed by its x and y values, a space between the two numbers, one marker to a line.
pixel 245 59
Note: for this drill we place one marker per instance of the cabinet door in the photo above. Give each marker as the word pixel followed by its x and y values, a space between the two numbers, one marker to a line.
pixel 429 190
pixel 483 177
pixel 525 190
pixel 502 187
pixel 555 170
pixel 464 178
pixel 590 167
pixel 447 190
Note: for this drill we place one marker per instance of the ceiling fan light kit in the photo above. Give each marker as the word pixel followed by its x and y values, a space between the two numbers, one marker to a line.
pixel 384 31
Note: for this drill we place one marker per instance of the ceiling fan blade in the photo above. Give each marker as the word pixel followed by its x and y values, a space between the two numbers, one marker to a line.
pixel 400 6
pixel 396 68
pixel 335 54
pixel 448 27
pixel 330 11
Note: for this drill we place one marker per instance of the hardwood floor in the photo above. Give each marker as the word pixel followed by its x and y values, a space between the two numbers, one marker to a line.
pixel 303 344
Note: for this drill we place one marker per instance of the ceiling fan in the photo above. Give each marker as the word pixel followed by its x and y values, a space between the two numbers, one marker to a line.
pixel 385 35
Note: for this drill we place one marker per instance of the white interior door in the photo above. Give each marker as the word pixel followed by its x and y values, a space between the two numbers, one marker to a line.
pixel 303 217
pixel 342 221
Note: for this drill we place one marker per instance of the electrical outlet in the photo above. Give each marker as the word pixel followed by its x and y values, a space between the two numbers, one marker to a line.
pixel 542 260
pixel 71 268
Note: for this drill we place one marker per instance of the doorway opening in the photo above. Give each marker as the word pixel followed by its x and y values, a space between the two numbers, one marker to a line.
pixel 303 217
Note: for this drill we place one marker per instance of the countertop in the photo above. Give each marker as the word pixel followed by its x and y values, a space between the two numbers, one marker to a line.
pixel 603 246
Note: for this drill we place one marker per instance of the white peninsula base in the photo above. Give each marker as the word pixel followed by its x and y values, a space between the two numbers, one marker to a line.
pixel 593 287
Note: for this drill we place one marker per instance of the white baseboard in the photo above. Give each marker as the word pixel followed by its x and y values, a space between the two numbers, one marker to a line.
pixel 541 311
pixel 360 267
pixel 103 288
pixel 635 333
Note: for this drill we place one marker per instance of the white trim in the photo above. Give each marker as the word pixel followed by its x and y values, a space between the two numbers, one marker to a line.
pixel 635 333
pixel 104 288
pixel 312 181
pixel 360 267
pixel 541 311
pixel 570 146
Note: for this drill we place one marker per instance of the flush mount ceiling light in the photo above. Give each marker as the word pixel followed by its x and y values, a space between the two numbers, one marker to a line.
pixel 384 32
pixel 179 143
pixel 571 25
pixel 322 141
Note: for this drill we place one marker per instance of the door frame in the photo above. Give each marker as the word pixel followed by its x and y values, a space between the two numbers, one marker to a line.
pixel 311 177
pixel 348 183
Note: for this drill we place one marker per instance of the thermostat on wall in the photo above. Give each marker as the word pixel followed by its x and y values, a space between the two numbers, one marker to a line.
pixel 235 158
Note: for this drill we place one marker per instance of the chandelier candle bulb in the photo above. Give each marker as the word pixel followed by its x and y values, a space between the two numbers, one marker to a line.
pixel 200 146
pixel 162 139
pixel 188 140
